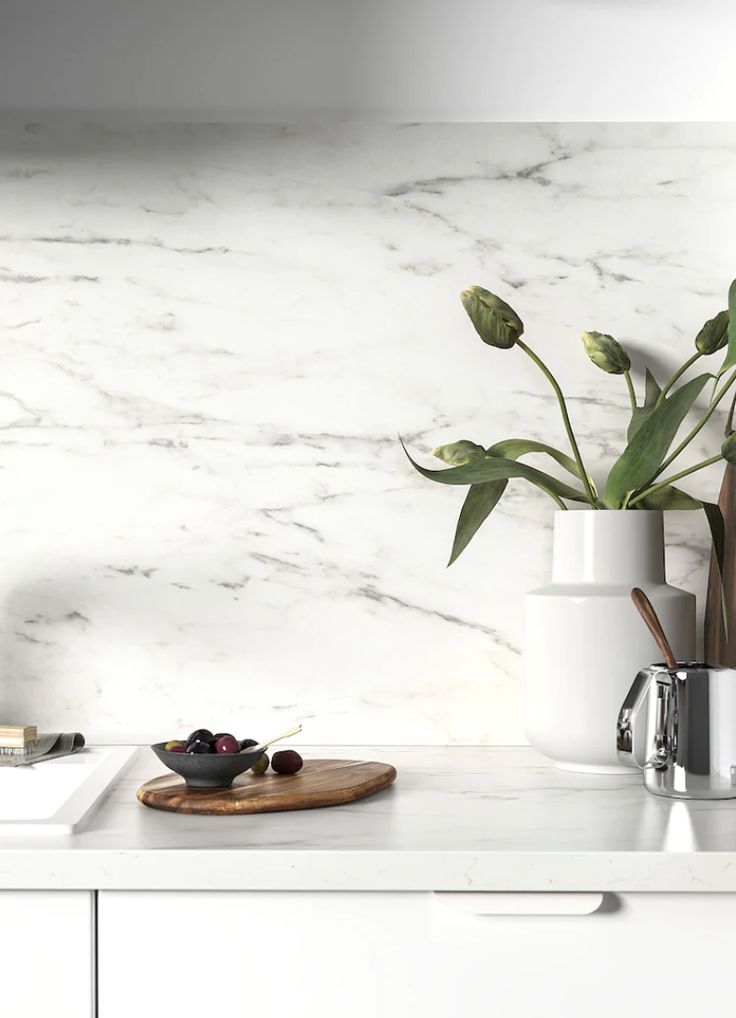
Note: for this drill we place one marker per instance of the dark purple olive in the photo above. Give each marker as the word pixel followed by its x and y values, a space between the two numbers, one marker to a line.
pixel 221 735
pixel 200 735
pixel 287 761
pixel 247 743
pixel 226 744
pixel 199 747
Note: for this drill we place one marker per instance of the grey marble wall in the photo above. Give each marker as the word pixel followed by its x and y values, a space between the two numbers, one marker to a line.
pixel 211 337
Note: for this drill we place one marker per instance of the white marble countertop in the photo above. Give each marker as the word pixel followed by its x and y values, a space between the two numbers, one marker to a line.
pixel 457 819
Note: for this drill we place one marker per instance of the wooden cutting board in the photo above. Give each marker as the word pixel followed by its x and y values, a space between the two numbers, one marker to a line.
pixel 319 783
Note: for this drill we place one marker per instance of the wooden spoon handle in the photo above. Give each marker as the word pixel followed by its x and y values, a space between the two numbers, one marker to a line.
pixel 646 610
pixel 294 730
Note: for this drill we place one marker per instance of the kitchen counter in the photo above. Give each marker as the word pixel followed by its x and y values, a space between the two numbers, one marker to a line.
pixel 487 819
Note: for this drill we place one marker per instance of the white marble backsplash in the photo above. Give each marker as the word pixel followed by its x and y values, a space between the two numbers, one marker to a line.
pixel 211 337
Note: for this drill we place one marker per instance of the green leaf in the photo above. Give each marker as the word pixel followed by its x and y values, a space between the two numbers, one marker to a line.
pixel 652 392
pixel 669 498
pixel 496 468
pixel 643 456
pixel 513 448
pixel 457 454
pixel 482 499
pixel 717 531
pixel 718 535
pixel 479 503
pixel 652 389
pixel 731 351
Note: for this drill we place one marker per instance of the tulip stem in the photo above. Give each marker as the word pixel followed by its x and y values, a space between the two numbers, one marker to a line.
pixel 701 423
pixel 632 394
pixel 675 477
pixel 565 419
pixel 678 374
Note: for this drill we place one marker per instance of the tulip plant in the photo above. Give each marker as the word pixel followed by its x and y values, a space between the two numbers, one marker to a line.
pixel 640 478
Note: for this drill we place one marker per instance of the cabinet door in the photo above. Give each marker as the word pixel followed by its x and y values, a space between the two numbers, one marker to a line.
pixel 46 957
pixel 364 955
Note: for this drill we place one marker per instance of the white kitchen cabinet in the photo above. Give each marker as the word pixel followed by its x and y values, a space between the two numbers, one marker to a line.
pixel 364 955
pixel 47 954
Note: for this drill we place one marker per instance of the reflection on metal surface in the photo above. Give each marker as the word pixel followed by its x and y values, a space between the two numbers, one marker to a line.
pixel 679 726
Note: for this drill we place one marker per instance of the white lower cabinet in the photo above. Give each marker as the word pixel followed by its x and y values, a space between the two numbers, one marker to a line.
pixel 396 955
pixel 47 954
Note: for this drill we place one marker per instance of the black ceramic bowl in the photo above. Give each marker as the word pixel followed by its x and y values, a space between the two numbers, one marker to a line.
pixel 206 770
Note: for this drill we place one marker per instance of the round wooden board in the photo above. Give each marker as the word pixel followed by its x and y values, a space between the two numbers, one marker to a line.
pixel 319 783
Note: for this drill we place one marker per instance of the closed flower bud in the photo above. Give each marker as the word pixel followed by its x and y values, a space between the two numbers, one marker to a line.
pixel 728 449
pixel 457 454
pixel 496 323
pixel 606 352
pixel 714 334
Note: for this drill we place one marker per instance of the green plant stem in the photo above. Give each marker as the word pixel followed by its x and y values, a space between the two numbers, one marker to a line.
pixel 675 477
pixel 701 423
pixel 678 374
pixel 632 394
pixel 565 418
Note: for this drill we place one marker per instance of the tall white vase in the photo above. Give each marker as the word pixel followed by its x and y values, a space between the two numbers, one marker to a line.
pixel 583 639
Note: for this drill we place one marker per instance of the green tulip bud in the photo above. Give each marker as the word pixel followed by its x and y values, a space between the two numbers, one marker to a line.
pixel 714 334
pixel 606 352
pixel 496 323
pixel 457 454
pixel 728 449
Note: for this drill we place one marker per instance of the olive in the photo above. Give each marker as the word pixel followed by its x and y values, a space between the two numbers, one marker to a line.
pixel 245 743
pixel 226 744
pixel 200 735
pixel 287 761
pixel 199 747
pixel 261 764
pixel 175 746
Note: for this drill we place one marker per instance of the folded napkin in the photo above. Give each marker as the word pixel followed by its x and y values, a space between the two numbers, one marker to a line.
pixel 47 747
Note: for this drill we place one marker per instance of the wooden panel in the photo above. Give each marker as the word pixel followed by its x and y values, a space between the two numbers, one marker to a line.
pixel 319 783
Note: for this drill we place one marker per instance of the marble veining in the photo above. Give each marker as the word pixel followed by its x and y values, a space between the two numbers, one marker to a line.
pixel 211 338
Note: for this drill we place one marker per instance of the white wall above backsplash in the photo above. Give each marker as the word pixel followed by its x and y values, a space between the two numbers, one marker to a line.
pixel 211 337
pixel 392 60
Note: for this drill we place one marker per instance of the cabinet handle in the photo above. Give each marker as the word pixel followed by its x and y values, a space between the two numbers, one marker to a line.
pixel 544 903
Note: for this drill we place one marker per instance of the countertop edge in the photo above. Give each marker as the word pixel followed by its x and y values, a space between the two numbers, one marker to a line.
pixel 285 870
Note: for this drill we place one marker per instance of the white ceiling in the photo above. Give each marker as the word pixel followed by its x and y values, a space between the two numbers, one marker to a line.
pixel 381 59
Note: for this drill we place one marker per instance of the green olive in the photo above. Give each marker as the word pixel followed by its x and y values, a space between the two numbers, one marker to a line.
pixel 261 764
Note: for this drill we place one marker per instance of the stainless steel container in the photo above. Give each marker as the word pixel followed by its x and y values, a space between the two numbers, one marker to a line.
pixel 679 726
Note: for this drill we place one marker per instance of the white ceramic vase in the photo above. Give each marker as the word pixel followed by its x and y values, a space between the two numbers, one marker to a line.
pixel 584 641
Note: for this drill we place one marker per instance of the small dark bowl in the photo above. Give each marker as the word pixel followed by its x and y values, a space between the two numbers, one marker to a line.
pixel 206 770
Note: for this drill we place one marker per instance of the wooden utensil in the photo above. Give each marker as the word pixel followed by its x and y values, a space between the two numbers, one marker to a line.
pixel 294 730
pixel 646 610
pixel 319 783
